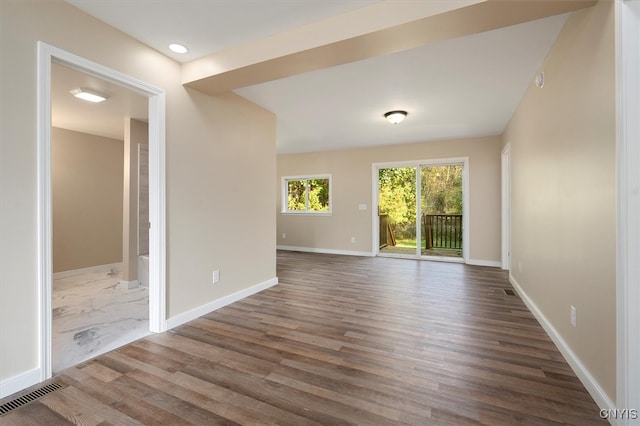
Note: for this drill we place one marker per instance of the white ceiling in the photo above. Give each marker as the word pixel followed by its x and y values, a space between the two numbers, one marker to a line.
pixel 207 26
pixel 464 87
pixel 460 88
pixel 102 119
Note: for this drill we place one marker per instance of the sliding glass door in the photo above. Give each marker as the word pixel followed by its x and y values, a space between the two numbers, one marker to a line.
pixel 420 210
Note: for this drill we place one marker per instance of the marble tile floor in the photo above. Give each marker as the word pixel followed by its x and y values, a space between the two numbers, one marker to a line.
pixel 92 315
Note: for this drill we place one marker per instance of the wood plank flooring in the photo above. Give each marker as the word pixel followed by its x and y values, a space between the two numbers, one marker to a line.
pixel 341 340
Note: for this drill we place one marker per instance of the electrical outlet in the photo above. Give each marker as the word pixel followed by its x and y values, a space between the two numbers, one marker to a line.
pixel 520 266
pixel 353 239
pixel 216 276
pixel 284 236
pixel 574 316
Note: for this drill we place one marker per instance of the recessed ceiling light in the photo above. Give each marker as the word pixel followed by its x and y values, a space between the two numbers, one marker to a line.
pixel 89 95
pixel 178 48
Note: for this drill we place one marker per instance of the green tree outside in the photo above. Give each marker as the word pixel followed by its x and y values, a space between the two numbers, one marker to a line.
pixel 308 195
pixel 441 193
pixel 442 189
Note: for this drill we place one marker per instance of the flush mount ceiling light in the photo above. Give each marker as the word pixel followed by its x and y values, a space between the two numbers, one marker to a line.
pixel 178 48
pixel 89 95
pixel 395 117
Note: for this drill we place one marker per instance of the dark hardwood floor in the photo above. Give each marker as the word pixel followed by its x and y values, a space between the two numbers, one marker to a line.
pixel 341 340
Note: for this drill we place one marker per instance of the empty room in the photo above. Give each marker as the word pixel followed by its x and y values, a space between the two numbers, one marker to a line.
pixel 357 212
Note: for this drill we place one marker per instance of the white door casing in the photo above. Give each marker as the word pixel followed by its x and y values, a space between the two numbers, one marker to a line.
pixel 47 55
pixel 506 206
pixel 628 207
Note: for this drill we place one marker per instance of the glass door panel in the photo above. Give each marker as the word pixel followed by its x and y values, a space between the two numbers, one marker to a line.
pixel 441 210
pixel 397 210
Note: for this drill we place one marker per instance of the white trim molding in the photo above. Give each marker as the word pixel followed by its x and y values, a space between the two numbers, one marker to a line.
pixel 47 55
pixel 475 262
pixel 443 259
pixel 127 285
pixel 481 262
pixel 505 179
pixel 194 313
pixel 19 382
pixel 326 251
pixel 284 192
pixel 628 204
pixel 87 270
pixel 589 382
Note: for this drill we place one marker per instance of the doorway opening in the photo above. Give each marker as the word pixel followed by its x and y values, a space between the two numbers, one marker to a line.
pixel 99 295
pixel 421 209
pixel 47 57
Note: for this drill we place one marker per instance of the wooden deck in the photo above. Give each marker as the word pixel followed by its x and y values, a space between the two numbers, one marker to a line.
pixel 341 340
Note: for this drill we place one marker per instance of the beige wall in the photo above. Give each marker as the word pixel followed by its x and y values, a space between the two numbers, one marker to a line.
pixel 563 190
pixel 351 172
pixel 220 172
pixel 87 199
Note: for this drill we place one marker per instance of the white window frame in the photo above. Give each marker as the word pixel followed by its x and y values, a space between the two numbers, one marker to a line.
pixel 284 188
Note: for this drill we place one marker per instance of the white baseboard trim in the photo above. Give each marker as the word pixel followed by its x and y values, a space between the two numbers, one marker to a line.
pixel 478 262
pixel 128 285
pixel 589 382
pixel 88 270
pixel 326 251
pixel 443 259
pixel 194 313
pixel 20 382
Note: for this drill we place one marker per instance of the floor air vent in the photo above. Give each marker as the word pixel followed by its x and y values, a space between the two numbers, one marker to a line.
pixel 509 292
pixel 18 402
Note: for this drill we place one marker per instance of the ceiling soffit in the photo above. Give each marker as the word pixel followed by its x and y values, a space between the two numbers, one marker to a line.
pixel 217 73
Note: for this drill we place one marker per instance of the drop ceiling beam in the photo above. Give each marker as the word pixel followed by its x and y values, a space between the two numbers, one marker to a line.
pixel 331 42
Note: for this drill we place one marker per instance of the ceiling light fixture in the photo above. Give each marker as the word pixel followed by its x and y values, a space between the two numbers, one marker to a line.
pixel 395 117
pixel 89 95
pixel 178 48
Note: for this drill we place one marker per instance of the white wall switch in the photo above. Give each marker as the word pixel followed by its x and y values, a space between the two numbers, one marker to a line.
pixel 362 206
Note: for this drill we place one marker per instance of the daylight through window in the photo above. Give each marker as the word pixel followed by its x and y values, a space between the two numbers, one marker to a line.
pixel 307 194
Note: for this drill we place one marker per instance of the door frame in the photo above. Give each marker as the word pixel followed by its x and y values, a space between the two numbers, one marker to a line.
pixel 505 163
pixel 47 55
pixel 628 204
pixel 375 228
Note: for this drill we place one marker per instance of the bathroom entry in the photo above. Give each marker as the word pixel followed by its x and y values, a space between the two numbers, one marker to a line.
pixel 97 301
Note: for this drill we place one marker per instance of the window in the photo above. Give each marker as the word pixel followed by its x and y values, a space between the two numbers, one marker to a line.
pixel 306 194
